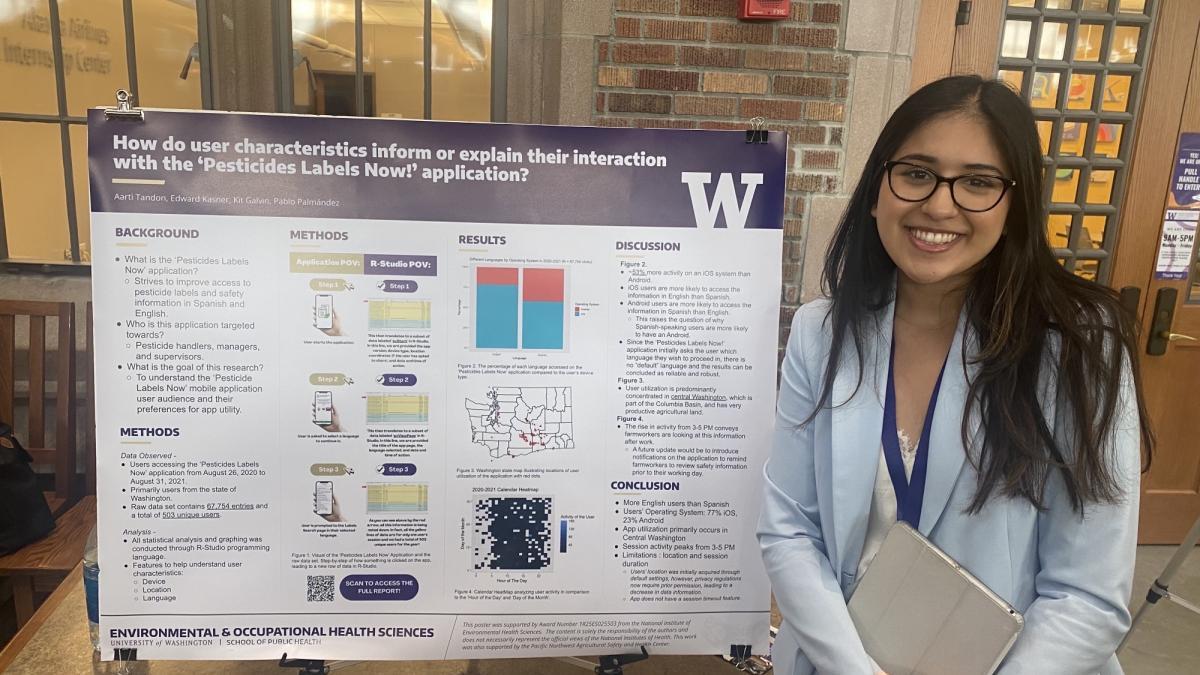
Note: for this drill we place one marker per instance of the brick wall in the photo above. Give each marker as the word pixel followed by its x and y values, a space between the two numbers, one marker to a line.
pixel 691 64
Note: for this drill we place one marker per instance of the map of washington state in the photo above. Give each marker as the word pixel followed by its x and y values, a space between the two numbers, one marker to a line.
pixel 517 421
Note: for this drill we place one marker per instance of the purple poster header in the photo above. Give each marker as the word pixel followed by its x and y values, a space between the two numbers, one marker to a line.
pixel 330 167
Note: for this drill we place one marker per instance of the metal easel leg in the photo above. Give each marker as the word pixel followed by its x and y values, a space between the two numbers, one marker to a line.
pixel 1158 589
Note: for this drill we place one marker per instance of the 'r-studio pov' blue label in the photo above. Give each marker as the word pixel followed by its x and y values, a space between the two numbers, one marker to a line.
pixel 400 265
pixel 379 587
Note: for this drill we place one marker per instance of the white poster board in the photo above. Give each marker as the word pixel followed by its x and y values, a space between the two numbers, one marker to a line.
pixel 377 389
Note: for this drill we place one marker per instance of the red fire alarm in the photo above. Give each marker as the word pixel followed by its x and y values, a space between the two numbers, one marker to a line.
pixel 764 9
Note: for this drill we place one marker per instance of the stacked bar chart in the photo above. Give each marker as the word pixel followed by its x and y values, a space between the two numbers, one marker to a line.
pixel 520 308
pixel 388 498
pixel 542 308
pixel 397 409
pixel 496 307
pixel 398 315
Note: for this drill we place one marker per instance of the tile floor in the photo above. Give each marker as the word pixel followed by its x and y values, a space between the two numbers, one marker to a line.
pixel 1167 640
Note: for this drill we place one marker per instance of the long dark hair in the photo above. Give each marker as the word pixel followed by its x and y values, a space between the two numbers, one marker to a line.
pixel 1019 299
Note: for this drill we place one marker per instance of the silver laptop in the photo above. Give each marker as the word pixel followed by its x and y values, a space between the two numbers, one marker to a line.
pixel 918 612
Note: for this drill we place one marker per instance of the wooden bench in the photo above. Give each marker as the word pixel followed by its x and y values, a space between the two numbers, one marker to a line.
pixel 40 566
pixel 37 373
pixel 50 387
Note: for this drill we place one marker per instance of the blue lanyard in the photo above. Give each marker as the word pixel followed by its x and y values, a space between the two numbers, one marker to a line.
pixel 910 492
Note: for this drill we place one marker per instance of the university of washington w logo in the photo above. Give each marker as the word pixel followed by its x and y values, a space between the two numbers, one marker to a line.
pixel 724 198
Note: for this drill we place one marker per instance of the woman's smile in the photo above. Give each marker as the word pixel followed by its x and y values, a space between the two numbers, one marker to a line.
pixel 932 241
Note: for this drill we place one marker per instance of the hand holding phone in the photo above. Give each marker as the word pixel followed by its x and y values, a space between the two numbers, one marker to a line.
pixel 323 498
pixel 323 311
pixel 323 408
pixel 329 422
pixel 325 503
pixel 325 317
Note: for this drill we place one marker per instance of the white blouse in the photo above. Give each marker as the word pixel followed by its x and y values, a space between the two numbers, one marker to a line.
pixel 883 501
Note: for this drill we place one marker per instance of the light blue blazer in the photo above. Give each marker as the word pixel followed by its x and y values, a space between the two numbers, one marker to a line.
pixel 1071 576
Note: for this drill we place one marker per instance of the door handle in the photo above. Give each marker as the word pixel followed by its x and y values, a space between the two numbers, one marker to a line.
pixel 1160 325
pixel 1175 337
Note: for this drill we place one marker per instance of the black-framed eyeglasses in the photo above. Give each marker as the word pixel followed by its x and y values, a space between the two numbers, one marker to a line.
pixel 972 192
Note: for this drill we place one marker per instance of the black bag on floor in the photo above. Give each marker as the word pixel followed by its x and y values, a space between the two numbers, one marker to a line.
pixel 24 515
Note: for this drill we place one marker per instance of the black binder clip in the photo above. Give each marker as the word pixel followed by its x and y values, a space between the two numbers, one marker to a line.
pixel 306 666
pixel 125 654
pixel 757 133
pixel 615 664
pixel 739 654
pixel 124 109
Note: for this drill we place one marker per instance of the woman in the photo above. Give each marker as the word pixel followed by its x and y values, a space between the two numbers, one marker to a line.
pixel 1011 384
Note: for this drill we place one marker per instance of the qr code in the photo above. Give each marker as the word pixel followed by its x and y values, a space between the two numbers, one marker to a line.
pixel 512 533
pixel 320 588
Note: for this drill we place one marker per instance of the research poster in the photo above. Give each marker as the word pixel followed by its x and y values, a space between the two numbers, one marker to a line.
pixel 383 389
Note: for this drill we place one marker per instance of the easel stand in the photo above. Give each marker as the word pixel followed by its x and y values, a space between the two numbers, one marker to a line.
pixel 609 665
pixel 306 666
pixel 739 657
pixel 615 664
pixel 1158 589
pixel 314 666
